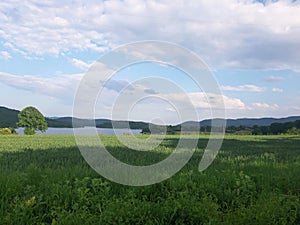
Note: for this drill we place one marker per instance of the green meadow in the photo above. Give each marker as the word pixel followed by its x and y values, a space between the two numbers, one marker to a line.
pixel 254 180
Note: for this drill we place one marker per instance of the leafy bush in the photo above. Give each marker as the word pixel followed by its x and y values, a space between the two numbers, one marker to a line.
pixel 7 131
pixel 293 131
pixel 29 131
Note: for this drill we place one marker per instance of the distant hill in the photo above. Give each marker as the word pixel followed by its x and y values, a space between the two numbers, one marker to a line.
pixel 9 117
pixel 248 122
pixel 82 122
pixel 123 124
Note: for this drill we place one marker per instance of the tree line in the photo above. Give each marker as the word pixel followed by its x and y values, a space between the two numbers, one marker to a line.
pixel 274 129
pixel 278 128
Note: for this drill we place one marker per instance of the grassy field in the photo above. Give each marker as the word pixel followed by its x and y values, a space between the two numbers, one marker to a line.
pixel 254 180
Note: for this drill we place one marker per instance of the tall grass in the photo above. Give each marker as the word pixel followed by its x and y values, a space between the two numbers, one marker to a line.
pixel 254 180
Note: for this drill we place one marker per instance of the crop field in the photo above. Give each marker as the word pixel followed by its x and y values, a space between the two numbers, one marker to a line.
pixel 254 180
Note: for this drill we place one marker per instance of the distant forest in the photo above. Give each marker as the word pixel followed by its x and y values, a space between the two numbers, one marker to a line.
pixel 273 129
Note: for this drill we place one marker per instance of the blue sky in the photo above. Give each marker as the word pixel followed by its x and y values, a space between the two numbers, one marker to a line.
pixel 252 47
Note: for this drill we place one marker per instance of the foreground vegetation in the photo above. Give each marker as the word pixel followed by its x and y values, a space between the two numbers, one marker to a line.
pixel 254 180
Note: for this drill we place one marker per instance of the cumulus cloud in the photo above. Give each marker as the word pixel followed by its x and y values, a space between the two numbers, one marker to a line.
pixel 277 90
pixel 142 102
pixel 231 33
pixel 273 79
pixel 203 100
pixel 260 109
pixel 61 87
pixel 5 55
pixel 172 107
pixel 80 64
pixel 247 87
pixel 258 105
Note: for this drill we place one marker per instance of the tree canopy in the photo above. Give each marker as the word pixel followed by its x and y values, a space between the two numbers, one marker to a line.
pixel 32 119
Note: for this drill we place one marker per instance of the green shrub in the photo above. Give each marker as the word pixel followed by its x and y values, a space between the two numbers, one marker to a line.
pixel 293 131
pixel 7 131
pixel 29 131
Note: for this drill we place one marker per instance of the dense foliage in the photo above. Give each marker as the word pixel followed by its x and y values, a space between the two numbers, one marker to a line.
pixel 254 180
pixel 278 128
pixel 275 128
pixel 32 119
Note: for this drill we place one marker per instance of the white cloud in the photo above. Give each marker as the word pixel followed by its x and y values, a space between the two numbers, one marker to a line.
pixel 273 79
pixel 247 87
pixel 230 33
pixel 138 105
pixel 5 55
pixel 277 90
pixel 59 91
pixel 61 87
pixel 200 100
pixel 258 105
pixel 80 64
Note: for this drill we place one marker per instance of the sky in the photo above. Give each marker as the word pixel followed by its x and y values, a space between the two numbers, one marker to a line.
pixel 252 48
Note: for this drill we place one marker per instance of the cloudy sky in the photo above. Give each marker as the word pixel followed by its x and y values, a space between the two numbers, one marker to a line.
pixel 252 48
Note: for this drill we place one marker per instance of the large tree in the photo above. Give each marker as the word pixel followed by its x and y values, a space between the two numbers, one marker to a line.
pixel 33 120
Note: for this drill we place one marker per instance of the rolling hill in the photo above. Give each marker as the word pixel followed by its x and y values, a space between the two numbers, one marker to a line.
pixel 247 122
pixel 9 117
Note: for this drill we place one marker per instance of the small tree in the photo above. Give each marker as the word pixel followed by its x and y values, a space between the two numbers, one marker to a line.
pixel 32 120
